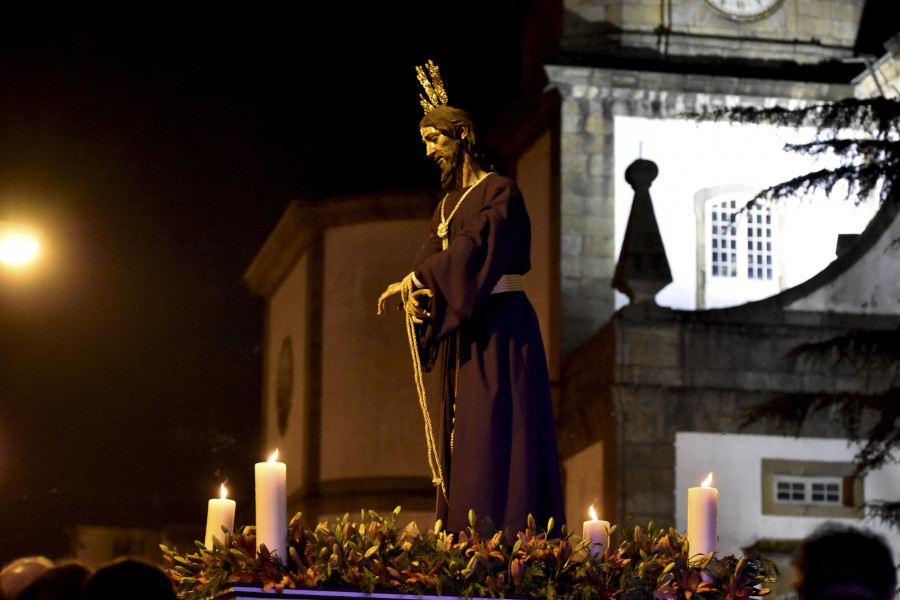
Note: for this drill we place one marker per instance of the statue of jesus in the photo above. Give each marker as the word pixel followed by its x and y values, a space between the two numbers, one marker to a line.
pixel 498 452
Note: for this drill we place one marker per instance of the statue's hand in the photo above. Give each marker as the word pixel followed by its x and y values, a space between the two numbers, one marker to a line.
pixel 417 305
pixel 392 290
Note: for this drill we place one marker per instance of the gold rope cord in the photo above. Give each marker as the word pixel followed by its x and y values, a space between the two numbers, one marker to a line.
pixel 455 393
pixel 443 230
pixel 434 458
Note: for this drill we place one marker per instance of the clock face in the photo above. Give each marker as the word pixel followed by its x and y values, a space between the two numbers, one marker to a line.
pixel 744 10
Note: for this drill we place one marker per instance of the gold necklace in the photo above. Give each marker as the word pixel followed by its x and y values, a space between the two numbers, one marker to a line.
pixel 444 228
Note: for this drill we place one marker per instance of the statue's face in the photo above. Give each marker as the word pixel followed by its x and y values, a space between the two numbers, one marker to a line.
pixel 439 146
pixel 446 151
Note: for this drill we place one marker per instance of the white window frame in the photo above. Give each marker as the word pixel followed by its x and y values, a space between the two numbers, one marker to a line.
pixel 803 490
pixel 751 241
pixel 852 491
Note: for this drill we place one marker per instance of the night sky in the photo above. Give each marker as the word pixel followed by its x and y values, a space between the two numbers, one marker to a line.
pixel 156 146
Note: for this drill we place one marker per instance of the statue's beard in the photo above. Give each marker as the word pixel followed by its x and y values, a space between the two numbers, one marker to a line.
pixel 449 162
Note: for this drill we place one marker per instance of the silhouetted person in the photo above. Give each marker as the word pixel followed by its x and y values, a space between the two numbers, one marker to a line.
pixel 128 578
pixel 62 581
pixel 838 562
pixel 18 573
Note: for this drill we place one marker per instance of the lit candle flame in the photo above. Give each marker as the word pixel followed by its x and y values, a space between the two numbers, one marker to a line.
pixel 223 491
pixel 274 456
pixel 708 481
pixel 593 513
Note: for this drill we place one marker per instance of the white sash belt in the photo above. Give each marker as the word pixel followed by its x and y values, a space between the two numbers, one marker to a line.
pixel 509 283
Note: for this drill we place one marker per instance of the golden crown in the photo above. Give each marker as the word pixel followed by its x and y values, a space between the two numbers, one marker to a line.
pixel 437 95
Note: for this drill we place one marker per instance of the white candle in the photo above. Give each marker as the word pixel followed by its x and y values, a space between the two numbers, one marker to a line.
pixel 703 518
pixel 598 532
pixel 219 513
pixel 271 507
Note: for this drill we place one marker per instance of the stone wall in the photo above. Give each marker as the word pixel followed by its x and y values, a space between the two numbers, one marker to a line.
pixel 341 404
pixel 882 78
pixel 592 99
pixel 804 31
pixel 652 372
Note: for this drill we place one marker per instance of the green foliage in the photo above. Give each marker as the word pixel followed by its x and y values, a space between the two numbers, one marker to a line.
pixel 878 436
pixel 870 419
pixel 863 133
pixel 375 554
pixel 887 512
pixel 861 350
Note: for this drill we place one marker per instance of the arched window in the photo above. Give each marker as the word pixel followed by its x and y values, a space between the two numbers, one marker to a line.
pixel 731 231
pixel 723 239
pixel 737 248
pixel 760 243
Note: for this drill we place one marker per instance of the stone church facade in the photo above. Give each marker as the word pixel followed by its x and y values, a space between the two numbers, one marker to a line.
pixel 664 60
pixel 652 397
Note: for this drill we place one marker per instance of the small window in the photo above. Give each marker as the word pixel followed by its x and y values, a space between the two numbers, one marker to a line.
pixel 808 490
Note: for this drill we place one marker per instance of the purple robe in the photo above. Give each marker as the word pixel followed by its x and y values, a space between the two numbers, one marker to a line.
pixel 504 464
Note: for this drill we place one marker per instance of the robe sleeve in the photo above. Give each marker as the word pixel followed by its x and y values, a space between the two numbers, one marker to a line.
pixel 482 248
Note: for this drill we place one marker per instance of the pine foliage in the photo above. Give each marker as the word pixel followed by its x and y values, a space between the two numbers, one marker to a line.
pixel 865 136
pixel 871 420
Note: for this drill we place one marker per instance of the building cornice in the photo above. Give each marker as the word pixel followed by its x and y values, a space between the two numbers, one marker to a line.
pixel 304 218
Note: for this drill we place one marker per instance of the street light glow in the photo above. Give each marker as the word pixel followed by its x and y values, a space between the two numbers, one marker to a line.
pixel 17 246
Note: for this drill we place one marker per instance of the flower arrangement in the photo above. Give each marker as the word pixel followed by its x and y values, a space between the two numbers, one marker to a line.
pixel 376 554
